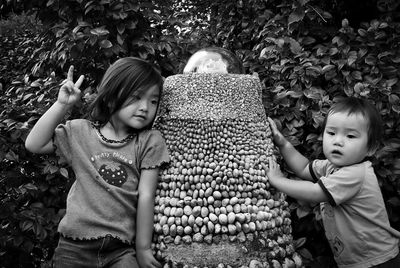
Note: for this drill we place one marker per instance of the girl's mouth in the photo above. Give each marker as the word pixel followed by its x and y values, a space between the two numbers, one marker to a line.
pixel 140 117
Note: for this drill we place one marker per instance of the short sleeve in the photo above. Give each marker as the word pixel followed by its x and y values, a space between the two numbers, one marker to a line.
pixel 343 184
pixel 318 168
pixel 155 152
pixel 61 142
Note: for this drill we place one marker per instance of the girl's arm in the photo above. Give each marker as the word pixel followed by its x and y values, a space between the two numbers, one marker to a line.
pixel 145 218
pixel 39 139
pixel 297 162
pixel 298 189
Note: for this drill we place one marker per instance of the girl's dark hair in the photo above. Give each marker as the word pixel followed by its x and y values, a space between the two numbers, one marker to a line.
pixel 125 78
pixel 353 105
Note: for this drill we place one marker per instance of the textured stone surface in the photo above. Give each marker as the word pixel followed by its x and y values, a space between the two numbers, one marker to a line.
pixel 214 205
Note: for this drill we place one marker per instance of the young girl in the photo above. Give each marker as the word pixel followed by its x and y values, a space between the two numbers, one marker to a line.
pixel 352 207
pixel 116 159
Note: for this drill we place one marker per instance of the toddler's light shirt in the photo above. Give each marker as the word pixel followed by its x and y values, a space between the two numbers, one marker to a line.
pixel 355 218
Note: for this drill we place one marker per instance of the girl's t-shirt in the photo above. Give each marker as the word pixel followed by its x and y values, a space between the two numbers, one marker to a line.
pixel 355 218
pixel 103 199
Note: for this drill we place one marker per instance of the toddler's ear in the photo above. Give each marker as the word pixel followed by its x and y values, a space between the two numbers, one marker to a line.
pixel 371 152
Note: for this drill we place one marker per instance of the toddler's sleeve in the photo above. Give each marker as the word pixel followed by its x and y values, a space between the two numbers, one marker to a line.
pixel 317 168
pixel 61 143
pixel 343 184
pixel 155 152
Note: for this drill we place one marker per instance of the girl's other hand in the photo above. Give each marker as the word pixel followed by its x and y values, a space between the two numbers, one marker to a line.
pixel 146 259
pixel 278 138
pixel 69 92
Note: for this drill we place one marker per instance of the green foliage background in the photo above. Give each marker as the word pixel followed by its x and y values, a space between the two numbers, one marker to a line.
pixel 305 57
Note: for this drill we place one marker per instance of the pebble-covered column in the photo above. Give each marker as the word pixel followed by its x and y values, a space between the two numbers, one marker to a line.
pixel 214 204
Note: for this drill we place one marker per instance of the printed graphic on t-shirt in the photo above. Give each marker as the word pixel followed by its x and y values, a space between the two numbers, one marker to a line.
pixel 337 246
pixel 113 174
pixel 112 167
pixel 327 210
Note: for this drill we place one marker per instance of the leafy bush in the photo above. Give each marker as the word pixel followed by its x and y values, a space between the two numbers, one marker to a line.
pixel 303 60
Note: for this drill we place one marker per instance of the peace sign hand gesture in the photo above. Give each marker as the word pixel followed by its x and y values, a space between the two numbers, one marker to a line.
pixel 69 92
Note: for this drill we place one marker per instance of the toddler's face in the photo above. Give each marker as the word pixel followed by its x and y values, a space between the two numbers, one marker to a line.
pixel 345 138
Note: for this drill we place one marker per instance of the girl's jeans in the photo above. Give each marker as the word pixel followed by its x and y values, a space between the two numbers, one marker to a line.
pixel 106 252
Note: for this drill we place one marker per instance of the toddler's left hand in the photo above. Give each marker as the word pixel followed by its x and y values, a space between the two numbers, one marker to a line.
pixel 273 170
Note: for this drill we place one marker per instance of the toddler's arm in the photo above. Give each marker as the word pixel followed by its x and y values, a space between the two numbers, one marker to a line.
pixel 295 160
pixel 145 218
pixel 39 139
pixel 298 189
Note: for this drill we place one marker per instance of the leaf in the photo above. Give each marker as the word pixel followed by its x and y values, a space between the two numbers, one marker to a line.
pixel 12 156
pixel 26 225
pixel 358 87
pixel 352 57
pixel 120 40
pixel 35 84
pixel 296 15
pixel 370 60
pixel 294 94
pixel 362 32
pixel 391 82
pixel 302 211
pixel 29 187
pixel 327 68
pixel 394 99
pixel 64 172
pixel 37 205
pixel 308 40
pixel 121 28
pixel 295 46
pixel 99 31
pixel 333 51
pixel 49 3
pixel 298 243
pixel 356 75
pixel 305 254
pixel 105 44
pixel 396 109
pixel 338 40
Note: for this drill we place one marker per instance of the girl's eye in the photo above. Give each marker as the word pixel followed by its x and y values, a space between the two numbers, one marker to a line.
pixel 331 133
pixel 155 102
pixel 351 136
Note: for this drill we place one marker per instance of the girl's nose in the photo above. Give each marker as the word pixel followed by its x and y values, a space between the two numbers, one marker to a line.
pixel 143 105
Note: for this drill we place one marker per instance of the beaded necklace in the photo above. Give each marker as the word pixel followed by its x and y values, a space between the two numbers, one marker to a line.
pixel 124 140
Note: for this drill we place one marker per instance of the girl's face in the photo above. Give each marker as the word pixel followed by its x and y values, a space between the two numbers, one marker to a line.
pixel 345 138
pixel 137 112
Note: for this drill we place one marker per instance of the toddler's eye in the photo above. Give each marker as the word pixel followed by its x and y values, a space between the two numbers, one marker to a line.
pixel 331 133
pixel 155 102
pixel 351 136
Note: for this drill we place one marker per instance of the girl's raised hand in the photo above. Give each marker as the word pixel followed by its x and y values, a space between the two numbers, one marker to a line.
pixel 278 138
pixel 69 92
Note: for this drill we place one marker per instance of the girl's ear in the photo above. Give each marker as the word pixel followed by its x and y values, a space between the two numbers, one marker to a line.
pixel 111 105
